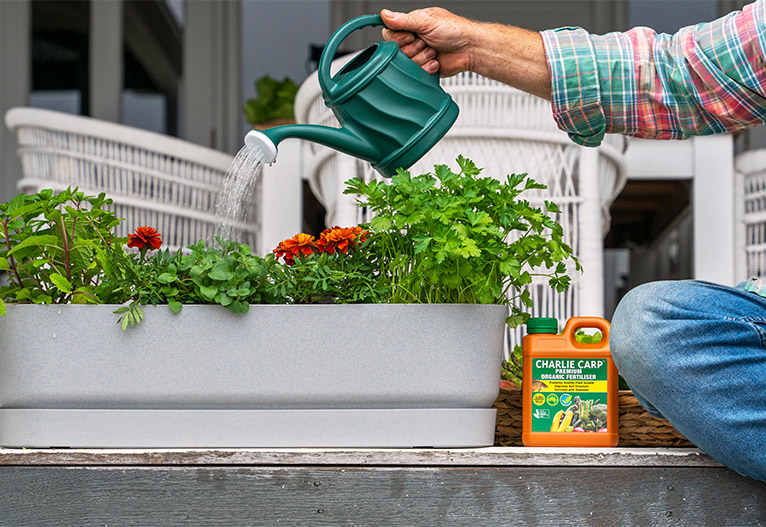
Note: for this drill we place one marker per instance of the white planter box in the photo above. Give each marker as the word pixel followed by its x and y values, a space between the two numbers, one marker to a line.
pixel 278 376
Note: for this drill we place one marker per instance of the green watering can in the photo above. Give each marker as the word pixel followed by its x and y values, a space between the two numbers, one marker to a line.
pixel 391 111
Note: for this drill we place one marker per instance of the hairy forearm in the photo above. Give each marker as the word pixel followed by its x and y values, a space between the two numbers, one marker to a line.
pixel 511 55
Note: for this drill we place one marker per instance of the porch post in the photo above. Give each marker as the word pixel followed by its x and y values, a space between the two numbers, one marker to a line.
pixel 106 59
pixel 591 254
pixel 15 83
pixel 713 208
pixel 211 57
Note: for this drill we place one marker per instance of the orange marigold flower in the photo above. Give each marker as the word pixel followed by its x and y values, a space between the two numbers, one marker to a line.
pixel 360 233
pixel 300 244
pixel 145 239
pixel 340 239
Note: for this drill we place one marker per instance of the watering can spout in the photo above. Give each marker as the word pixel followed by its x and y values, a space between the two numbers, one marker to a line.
pixel 265 141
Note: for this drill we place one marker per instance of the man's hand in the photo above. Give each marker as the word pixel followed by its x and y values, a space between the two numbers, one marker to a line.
pixel 450 44
pixel 434 38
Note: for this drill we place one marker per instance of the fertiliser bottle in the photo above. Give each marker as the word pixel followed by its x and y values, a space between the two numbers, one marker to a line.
pixel 569 387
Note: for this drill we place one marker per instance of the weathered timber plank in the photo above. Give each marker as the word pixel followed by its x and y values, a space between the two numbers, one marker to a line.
pixel 403 496
pixel 491 456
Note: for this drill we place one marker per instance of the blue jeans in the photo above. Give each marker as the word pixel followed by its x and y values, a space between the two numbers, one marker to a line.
pixel 695 353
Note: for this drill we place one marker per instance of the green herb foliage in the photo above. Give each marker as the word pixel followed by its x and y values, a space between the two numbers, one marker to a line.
pixel 335 278
pixel 58 249
pixel 586 338
pixel 444 237
pixel 228 275
pixel 231 276
pixel 513 368
pixel 453 237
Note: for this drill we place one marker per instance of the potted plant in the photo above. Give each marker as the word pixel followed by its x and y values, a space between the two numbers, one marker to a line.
pixel 386 334
pixel 273 104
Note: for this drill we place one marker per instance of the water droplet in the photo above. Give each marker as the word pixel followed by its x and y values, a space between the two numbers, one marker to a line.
pixel 54 335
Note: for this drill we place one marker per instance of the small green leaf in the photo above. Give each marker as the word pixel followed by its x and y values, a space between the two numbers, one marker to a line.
pixel 517 320
pixel 208 291
pixel 220 274
pixel 2 308
pixel 240 307
pixel 170 291
pixel 61 282
pixel 381 223
pixel 175 306
pixel 526 298
pixel 225 299
pixel 16 202
pixel 422 243
pixel 167 278
pixel 23 294
pixel 32 241
pixel 84 295
pixel 4 265
pixel 42 299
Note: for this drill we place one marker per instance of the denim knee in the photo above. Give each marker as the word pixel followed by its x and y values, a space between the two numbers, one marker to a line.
pixel 637 323
pixel 695 353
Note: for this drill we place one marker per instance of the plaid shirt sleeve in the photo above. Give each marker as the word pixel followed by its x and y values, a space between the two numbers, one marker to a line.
pixel 708 78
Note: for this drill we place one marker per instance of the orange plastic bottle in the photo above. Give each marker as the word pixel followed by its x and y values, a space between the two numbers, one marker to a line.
pixel 570 388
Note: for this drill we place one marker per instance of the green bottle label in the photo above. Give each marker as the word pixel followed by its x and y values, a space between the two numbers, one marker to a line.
pixel 570 392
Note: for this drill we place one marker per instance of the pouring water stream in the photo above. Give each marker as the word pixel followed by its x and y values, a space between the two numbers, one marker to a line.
pixel 238 184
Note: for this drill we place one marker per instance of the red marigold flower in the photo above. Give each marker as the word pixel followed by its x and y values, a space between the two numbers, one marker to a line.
pixel 145 236
pixel 300 244
pixel 340 239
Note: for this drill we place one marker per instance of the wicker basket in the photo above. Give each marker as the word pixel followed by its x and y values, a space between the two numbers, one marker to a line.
pixel 637 428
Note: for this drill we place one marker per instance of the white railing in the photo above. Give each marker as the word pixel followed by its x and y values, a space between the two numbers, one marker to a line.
pixel 157 180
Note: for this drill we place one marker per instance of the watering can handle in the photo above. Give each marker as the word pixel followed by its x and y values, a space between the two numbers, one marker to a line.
pixel 328 54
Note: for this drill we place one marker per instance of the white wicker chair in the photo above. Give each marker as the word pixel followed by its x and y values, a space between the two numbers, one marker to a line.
pixel 505 131
pixel 154 179
pixel 750 211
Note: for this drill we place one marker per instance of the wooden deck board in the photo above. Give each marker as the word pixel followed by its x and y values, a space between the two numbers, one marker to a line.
pixel 490 456
pixel 455 487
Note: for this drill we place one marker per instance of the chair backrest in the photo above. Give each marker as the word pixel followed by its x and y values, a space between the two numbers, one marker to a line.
pixel 750 210
pixel 505 131
pixel 155 180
